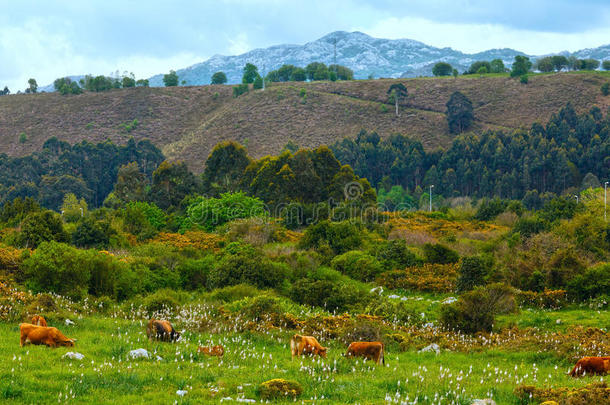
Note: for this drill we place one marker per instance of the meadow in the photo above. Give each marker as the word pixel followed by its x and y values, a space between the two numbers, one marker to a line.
pixel 256 352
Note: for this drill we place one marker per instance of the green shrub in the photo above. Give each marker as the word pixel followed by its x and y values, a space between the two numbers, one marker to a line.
pixel 279 389
pixel 340 237
pixel 471 273
pixel 331 295
pixel 246 266
pixel 161 300
pixel 605 89
pixel 256 308
pixel 208 213
pixel 439 254
pixel 595 281
pixel 475 311
pixel 59 268
pixel 91 233
pixel 143 220
pixel 240 89
pixel 357 265
pixel 194 274
pixel 528 226
pixel 524 79
pixel 363 330
pixel 41 226
pixel 234 293
pixel 394 254
pixel 489 209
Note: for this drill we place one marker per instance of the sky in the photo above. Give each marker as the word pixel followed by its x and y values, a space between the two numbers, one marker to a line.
pixel 47 39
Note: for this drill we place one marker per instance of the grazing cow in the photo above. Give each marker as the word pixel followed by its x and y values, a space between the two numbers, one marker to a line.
pixel 39 320
pixel 368 350
pixel 591 366
pixel 161 330
pixel 217 350
pixel 42 335
pixel 300 345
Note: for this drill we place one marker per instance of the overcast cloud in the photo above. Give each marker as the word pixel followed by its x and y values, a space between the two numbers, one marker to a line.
pixel 49 39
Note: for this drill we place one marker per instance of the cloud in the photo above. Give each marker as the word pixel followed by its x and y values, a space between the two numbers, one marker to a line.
pixel 473 37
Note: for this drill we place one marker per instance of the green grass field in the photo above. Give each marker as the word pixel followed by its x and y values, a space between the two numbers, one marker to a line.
pixel 37 375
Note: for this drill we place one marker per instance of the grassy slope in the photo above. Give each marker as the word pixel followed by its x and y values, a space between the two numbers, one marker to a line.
pixel 37 374
pixel 188 121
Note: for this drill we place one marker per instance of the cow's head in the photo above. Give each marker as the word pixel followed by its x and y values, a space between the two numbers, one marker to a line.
pixel 322 351
pixel 67 343
pixel 174 335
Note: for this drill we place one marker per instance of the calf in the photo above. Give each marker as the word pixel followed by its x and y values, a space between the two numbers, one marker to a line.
pixel 368 350
pixel 161 330
pixel 300 345
pixel 217 350
pixel 591 366
pixel 42 335
pixel 39 320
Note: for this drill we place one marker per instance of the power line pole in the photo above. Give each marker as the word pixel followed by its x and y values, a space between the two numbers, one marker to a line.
pixel 431 197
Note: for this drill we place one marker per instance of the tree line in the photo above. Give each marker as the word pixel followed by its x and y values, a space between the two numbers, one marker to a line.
pixel 569 152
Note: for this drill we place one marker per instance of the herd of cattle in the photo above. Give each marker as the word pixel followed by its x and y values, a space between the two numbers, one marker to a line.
pixel 38 333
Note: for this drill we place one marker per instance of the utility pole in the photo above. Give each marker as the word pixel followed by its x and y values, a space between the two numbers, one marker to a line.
pixel 431 197
pixel 335 54
pixel 263 77
pixel 576 198
pixel 605 200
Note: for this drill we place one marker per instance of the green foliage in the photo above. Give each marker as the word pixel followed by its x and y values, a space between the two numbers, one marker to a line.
pixel 243 265
pixel 219 78
pixel 59 268
pixel 497 66
pixel 240 89
pixel 90 233
pixel 482 70
pixel 606 65
pixel 23 138
pixel 605 89
pixel 476 67
pixel 66 86
pixel 594 282
pixel 143 219
pixel 250 74
pixel 128 82
pixel 440 254
pixel 442 69
pixel 13 212
pixel 171 182
pixel 475 311
pixel 357 265
pixel 170 79
pixel 162 300
pixel 397 92
pixel 322 292
pixel 489 209
pixel 545 64
pixel 530 225
pixel 394 254
pixel 341 72
pixel 258 83
pixel 340 237
pixel 524 79
pixel 194 273
pixel 130 184
pixel 208 213
pixel 142 83
pixel 129 126
pixel 100 83
pixel 472 272
pixel 41 226
pixel 521 66
pixel 459 113
pixel 224 168
pixel 32 86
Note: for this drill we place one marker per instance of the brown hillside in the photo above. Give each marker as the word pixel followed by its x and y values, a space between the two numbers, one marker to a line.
pixel 186 122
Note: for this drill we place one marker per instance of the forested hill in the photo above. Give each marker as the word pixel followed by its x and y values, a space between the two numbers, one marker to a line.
pixel 186 122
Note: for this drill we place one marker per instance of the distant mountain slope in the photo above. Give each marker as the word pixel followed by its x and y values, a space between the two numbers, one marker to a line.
pixel 362 53
pixel 186 122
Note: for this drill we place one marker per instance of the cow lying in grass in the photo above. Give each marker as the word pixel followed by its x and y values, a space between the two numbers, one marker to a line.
pixel 591 366
pixel 39 320
pixel 41 335
pixel 368 350
pixel 217 350
pixel 300 345
pixel 161 330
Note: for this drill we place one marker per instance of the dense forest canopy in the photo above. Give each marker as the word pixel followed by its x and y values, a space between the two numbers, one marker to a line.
pixel 555 158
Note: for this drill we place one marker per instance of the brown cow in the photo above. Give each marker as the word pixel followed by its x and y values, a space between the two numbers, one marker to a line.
pixel 42 335
pixel 39 320
pixel 300 345
pixel 591 366
pixel 368 350
pixel 161 330
pixel 217 350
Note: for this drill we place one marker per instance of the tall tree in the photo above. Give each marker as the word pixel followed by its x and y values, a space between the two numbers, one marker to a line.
pixel 442 69
pixel 497 66
pixel 396 93
pixel 459 113
pixel 521 66
pixel 170 79
pixel 219 78
pixel 172 181
pixel 33 86
pixel 225 168
pixel 250 73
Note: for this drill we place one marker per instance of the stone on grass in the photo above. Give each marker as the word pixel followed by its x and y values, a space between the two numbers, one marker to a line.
pixel 73 356
pixel 138 353
pixel 487 401
pixel 181 393
pixel 431 348
pixel 69 322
